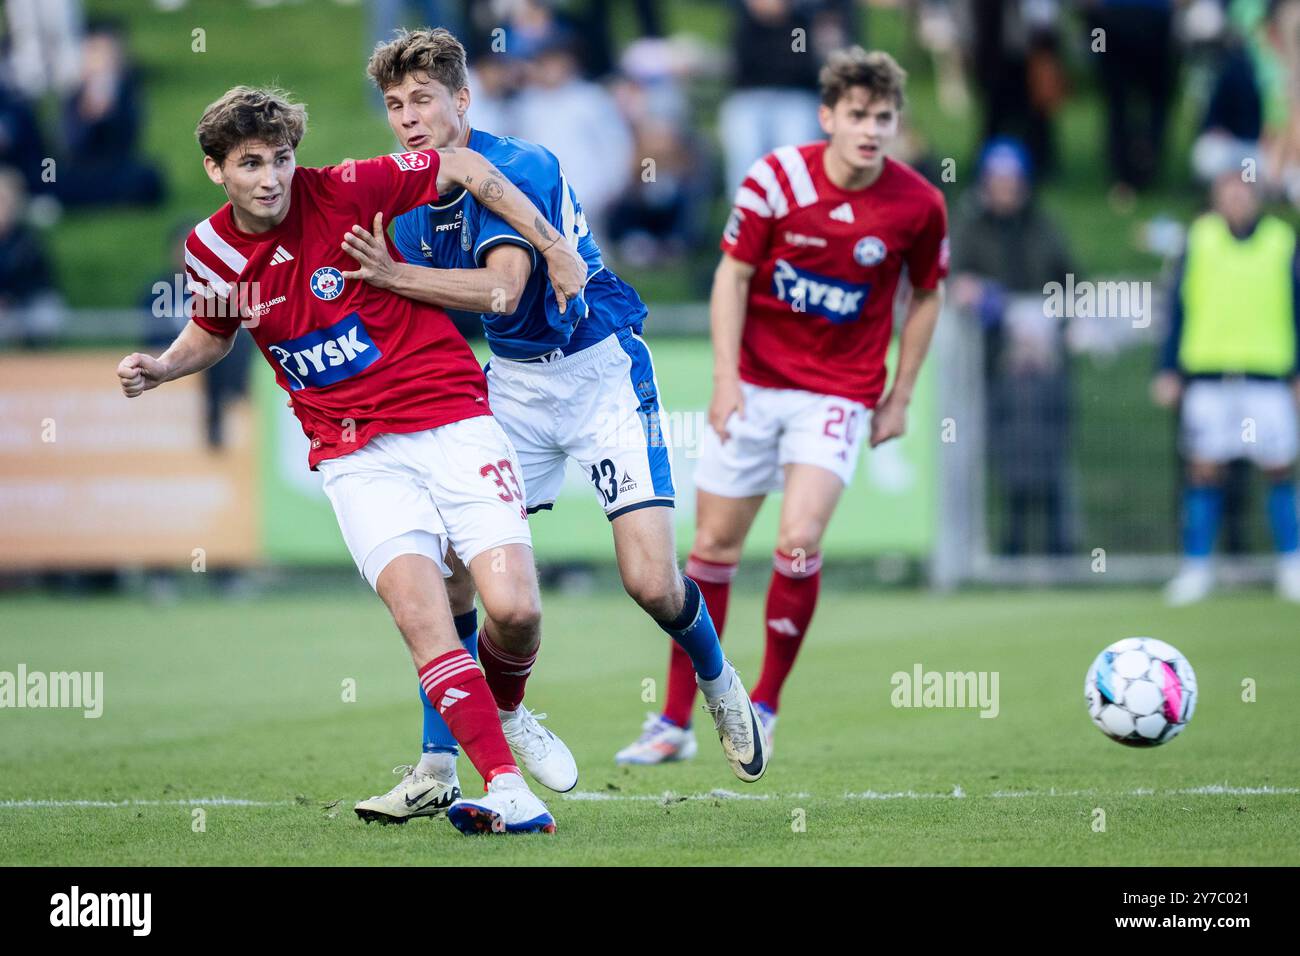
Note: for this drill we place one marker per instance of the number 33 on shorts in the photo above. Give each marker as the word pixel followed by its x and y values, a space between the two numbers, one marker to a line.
pixel 500 472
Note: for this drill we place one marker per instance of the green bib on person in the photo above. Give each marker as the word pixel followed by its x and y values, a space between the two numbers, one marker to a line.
pixel 1237 299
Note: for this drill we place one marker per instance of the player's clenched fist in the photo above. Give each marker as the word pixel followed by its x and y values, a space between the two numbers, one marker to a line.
pixel 727 398
pixel 139 373
pixel 888 420
pixel 567 271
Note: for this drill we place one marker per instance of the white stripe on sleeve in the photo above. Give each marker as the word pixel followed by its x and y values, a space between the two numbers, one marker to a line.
pixel 762 174
pixel 796 171
pixel 746 198
pixel 220 248
pixel 219 285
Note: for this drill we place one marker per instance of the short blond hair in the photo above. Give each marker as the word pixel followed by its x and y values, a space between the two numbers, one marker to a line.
pixel 246 114
pixel 436 53
pixel 877 72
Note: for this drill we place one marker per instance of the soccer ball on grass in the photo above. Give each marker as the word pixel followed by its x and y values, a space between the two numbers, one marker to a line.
pixel 1140 691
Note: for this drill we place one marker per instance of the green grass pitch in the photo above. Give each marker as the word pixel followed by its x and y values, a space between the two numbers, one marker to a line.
pixel 244 701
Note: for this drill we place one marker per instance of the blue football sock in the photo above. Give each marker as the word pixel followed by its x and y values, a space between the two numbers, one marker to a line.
pixel 1202 507
pixel 694 632
pixel 438 738
pixel 467 631
pixel 1282 517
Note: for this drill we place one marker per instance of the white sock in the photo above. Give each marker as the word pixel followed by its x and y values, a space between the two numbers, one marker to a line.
pixel 509 781
pixel 713 689
pixel 439 764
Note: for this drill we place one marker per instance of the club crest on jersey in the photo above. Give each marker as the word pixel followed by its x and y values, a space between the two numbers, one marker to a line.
pixel 410 162
pixel 327 283
pixel 325 356
pixel 869 251
pixel 821 295
pixel 465 240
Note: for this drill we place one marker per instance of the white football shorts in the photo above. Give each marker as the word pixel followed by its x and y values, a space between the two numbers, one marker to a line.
pixel 781 426
pixel 600 407
pixel 415 493
pixel 1226 419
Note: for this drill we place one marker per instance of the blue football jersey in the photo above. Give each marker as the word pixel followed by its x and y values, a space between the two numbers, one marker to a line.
pixel 457 232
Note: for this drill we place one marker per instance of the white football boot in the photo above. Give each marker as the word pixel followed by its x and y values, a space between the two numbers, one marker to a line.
pixel 739 729
pixel 417 794
pixel 1288 578
pixel 1191 585
pixel 507 807
pixel 539 751
pixel 661 741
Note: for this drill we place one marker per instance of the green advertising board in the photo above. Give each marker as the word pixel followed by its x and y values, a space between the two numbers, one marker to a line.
pixel 889 508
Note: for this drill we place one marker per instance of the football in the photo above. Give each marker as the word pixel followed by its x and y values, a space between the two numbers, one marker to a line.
pixel 1140 691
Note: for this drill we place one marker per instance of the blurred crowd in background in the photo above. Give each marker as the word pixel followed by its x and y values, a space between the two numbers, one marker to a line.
pixel 652 170
pixel 654 163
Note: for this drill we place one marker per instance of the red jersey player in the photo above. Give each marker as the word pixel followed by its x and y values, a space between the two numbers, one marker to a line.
pixel 388 392
pixel 802 316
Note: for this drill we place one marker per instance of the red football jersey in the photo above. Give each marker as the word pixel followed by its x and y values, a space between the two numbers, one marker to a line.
pixel 827 260
pixel 359 361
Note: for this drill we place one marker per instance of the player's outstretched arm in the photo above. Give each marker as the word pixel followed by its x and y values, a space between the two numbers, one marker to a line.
pixel 194 350
pixel 889 419
pixel 726 322
pixel 464 167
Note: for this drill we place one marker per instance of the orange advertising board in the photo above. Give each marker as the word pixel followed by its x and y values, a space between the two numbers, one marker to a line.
pixel 91 479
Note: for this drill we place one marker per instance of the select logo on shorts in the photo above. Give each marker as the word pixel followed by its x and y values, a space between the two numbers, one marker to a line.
pixel 869 251
pixel 410 162
pixel 818 294
pixel 327 283
pixel 326 356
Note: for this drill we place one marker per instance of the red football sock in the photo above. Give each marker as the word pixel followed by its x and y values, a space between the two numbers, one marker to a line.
pixel 506 673
pixel 791 600
pixel 455 686
pixel 714 580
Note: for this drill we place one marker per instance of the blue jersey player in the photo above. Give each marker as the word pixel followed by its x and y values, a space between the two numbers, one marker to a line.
pixel 578 385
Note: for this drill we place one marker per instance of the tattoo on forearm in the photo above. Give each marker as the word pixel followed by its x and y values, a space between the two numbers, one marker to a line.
pixel 543 229
pixel 490 190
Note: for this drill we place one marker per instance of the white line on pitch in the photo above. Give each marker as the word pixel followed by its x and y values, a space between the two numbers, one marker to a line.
pixel 191 802
pixel 956 793
pixel 669 797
